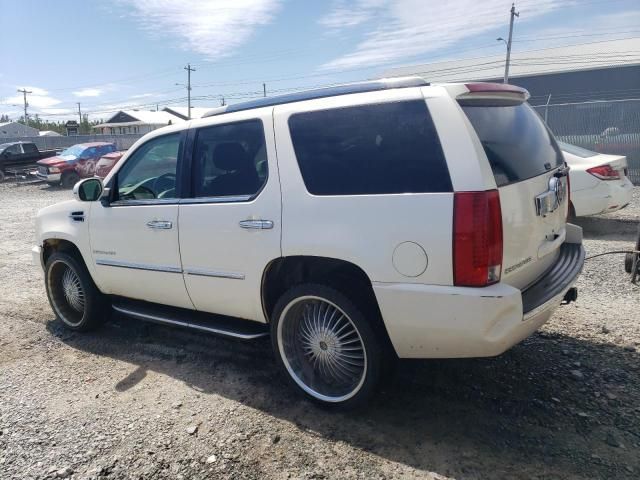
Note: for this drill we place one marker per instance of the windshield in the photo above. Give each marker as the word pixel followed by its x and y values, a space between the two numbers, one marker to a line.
pixel 577 151
pixel 75 151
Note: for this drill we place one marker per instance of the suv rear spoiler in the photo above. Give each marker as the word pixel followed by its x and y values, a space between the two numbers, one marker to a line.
pixel 494 93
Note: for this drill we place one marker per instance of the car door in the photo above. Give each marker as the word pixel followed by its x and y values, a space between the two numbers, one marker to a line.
pixel 134 240
pixel 230 227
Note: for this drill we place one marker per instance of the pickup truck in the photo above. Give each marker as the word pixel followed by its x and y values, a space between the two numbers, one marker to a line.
pixel 20 155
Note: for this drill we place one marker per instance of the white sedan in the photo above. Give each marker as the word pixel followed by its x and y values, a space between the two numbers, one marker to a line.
pixel 599 182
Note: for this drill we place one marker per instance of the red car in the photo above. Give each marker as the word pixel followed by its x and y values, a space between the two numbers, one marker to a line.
pixel 107 162
pixel 73 163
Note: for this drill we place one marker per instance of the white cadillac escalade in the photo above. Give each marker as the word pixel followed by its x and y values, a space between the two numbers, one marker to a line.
pixel 354 224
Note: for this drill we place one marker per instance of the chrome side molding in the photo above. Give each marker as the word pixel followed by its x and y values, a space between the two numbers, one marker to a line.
pixel 213 273
pixel 138 266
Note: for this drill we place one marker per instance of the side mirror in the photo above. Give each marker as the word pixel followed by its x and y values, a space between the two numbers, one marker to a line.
pixel 88 190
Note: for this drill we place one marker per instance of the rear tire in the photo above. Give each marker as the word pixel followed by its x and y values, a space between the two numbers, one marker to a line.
pixel 74 298
pixel 69 179
pixel 325 346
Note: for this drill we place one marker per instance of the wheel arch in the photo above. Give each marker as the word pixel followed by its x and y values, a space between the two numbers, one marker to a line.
pixel 285 272
pixel 52 245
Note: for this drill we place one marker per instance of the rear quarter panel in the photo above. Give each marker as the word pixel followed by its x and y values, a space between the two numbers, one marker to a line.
pixel 362 229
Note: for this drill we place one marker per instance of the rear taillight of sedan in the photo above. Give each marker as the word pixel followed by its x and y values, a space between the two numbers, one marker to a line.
pixel 477 238
pixel 604 172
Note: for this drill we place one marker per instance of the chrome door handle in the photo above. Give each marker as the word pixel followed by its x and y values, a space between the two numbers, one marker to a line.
pixel 256 224
pixel 160 224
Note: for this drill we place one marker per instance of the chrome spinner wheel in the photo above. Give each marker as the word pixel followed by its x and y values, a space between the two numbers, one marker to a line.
pixel 67 293
pixel 322 349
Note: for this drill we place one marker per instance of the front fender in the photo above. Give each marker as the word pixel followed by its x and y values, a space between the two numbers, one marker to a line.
pixel 67 221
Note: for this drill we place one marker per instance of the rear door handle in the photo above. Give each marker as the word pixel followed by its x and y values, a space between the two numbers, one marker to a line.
pixel 256 224
pixel 160 224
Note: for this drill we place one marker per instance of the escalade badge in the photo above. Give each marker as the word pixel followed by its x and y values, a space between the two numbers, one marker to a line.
pixel 550 200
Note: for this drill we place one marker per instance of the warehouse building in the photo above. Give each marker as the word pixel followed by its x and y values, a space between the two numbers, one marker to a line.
pixel 608 70
pixel 15 129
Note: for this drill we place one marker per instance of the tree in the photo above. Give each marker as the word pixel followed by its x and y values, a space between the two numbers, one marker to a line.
pixel 4 118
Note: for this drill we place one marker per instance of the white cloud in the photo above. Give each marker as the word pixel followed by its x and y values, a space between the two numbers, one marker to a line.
pixel 38 98
pixel 57 111
pixel 407 28
pixel 345 15
pixel 212 29
pixel 144 95
pixel 88 92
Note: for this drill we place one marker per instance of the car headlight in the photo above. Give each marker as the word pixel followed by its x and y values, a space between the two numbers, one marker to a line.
pixel 54 170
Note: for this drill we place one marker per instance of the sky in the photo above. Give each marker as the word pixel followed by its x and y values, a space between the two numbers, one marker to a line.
pixel 125 54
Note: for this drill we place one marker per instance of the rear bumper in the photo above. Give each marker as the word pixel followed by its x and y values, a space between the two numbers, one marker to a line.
pixel 426 321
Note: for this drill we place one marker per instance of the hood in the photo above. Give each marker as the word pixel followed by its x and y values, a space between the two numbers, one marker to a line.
pixel 57 159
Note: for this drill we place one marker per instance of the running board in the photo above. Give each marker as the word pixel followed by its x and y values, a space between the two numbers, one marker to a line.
pixel 179 317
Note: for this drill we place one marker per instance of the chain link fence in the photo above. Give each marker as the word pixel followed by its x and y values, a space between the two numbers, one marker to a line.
pixel 602 126
pixel 122 142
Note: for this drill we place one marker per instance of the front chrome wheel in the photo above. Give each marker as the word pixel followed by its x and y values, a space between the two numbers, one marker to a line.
pixel 322 349
pixel 67 293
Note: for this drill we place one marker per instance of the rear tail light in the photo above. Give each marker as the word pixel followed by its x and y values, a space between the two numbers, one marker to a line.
pixel 477 238
pixel 604 172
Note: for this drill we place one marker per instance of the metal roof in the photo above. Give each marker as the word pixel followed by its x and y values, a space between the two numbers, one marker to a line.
pixel 586 56
pixel 346 89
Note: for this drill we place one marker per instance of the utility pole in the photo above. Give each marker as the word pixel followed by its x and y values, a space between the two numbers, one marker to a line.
pixel 264 89
pixel 506 65
pixel 24 92
pixel 79 117
pixel 189 70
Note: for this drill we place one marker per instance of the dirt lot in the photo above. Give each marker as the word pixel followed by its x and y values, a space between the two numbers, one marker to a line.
pixel 134 400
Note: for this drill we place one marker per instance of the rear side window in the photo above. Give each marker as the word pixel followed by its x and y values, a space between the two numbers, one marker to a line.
pixel 371 149
pixel 29 148
pixel 516 141
pixel 230 160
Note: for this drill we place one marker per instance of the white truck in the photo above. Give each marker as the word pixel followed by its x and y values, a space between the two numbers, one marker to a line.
pixel 354 224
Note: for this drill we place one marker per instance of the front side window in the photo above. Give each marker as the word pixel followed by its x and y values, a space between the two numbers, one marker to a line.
pixel 150 173
pixel 29 148
pixel 14 149
pixel 230 160
pixel 371 149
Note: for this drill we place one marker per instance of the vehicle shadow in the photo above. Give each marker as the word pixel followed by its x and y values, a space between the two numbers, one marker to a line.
pixel 600 227
pixel 523 414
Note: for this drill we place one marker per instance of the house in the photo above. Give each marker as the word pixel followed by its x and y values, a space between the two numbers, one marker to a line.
pixel 182 112
pixel 135 121
pixel 15 129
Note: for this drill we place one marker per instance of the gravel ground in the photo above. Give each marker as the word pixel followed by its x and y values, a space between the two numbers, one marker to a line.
pixel 142 401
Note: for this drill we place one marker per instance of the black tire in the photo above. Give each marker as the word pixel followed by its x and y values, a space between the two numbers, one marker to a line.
pixel 69 179
pixel 87 308
pixel 352 384
pixel 2 176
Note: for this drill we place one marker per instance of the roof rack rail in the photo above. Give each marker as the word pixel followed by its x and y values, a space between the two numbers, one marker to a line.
pixel 345 89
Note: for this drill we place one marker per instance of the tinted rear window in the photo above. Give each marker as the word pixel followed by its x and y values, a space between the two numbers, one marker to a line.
pixel 517 142
pixel 372 149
